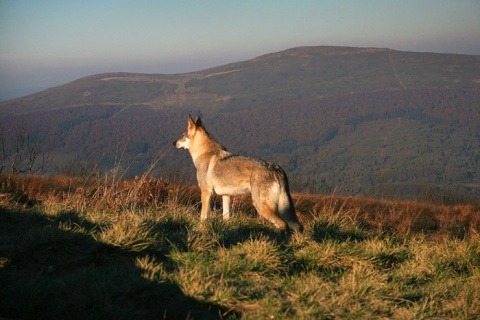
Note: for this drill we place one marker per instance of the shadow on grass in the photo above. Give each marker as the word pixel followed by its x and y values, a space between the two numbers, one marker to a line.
pixel 385 260
pixel 231 234
pixel 49 271
pixel 322 230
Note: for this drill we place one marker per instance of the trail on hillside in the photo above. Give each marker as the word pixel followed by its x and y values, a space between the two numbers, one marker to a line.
pixel 399 122
pixel 395 71
pixel 119 111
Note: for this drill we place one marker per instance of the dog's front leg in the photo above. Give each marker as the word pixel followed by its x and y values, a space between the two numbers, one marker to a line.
pixel 226 207
pixel 206 196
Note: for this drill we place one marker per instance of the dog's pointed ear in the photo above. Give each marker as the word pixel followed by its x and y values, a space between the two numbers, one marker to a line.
pixel 198 122
pixel 190 121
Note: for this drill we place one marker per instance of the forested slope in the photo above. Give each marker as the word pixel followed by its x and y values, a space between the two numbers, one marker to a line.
pixel 353 121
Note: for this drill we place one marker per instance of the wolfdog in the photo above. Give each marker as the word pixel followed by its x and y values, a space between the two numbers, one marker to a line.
pixel 228 174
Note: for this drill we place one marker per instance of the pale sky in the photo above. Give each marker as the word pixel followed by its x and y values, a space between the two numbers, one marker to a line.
pixel 50 42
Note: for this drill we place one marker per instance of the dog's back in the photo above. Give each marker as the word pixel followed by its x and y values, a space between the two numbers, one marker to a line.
pixel 267 182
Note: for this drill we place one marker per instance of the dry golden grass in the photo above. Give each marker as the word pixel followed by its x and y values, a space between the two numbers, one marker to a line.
pixel 87 248
pixel 403 217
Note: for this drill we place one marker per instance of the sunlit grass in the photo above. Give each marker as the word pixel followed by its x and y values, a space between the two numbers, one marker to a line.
pixel 158 260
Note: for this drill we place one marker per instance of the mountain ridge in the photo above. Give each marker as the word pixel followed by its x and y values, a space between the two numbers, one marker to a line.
pixel 197 86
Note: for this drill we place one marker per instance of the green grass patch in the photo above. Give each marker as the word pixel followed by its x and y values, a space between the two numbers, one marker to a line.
pixel 125 255
pixel 153 264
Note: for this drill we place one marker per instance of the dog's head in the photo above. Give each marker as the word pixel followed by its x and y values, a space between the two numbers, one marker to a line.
pixel 189 134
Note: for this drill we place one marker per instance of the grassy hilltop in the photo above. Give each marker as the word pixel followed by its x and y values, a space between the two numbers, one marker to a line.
pixel 83 248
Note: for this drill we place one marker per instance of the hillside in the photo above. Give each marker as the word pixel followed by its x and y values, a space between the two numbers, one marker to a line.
pixel 353 121
pixel 83 248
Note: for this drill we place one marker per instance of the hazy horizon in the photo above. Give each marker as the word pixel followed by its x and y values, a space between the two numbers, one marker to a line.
pixel 49 43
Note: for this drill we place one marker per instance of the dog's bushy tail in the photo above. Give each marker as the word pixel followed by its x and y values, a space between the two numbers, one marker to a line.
pixel 286 210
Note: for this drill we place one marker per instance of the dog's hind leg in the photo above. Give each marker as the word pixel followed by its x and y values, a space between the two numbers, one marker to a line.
pixel 266 211
pixel 226 207
pixel 266 206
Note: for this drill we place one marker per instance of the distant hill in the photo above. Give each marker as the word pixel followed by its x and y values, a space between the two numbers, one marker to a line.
pixel 352 121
